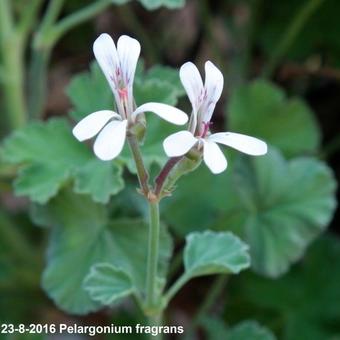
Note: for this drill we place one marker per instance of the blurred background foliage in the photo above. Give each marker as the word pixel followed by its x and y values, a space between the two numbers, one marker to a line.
pixel 281 65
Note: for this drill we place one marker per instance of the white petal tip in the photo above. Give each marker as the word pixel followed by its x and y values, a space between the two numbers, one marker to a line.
pixel 179 143
pixel 217 172
pixel 110 140
pixel 89 126
pixel 246 144
pixel 77 135
pixel 214 158
pixel 166 112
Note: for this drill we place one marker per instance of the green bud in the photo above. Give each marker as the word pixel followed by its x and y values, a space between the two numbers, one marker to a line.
pixel 187 164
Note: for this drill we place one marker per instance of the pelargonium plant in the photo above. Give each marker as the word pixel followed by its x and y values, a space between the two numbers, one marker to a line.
pixel 185 149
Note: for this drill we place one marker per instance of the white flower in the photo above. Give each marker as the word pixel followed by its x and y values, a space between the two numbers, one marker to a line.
pixel 119 66
pixel 203 99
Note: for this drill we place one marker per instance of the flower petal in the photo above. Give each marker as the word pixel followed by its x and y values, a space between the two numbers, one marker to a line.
pixel 192 82
pixel 128 52
pixel 110 141
pixel 214 86
pixel 243 143
pixel 106 54
pixel 179 143
pixel 92 124
pixel 213 157
pixel 167 112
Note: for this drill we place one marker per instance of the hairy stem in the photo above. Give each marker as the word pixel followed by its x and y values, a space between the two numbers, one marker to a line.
pixel 152 259
pixel 141 170
pixel 156 321
pixel 290 35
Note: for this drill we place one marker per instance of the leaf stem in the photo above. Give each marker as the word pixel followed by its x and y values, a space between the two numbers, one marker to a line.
pixel 77 18
pixel 12 55
pixel 39 60
pixel 28 18
pixel 152 259
pixel 51 15
pixel 49 32
pixel 291 33
pixel 173 290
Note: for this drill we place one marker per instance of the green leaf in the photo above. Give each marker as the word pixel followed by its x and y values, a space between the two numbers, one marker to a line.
pixel 305 300
pixel 49 156
pixel 185 214
pixel 99 179
pixel 278 208
pixel 261 109
pixel 275 206
pixel 246 330
pixel 82 236
pixel 154 4
pixel 40 182
pixel 209 253
pixel 89 92
pixel 108 284
pixel 160 83
pixel 249 330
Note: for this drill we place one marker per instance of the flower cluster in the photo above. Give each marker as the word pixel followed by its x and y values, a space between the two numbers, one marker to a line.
pixel 203 99
pixel 118 65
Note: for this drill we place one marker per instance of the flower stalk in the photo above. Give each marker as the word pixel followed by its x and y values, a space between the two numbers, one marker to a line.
pixel 141 170
pixel 152 299
pixel 162 176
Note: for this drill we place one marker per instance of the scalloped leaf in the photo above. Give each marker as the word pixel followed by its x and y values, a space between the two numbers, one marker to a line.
pixel 48 156
pixel 217 329
pixel 306 299
pixel 210 252
pixel 154 4
pixel 82 236
pixel 108 284
pixel 261 109
pixel 278 207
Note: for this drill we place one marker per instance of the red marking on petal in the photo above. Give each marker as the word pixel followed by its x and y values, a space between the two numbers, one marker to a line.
pixel 206 127
pixel 123 93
